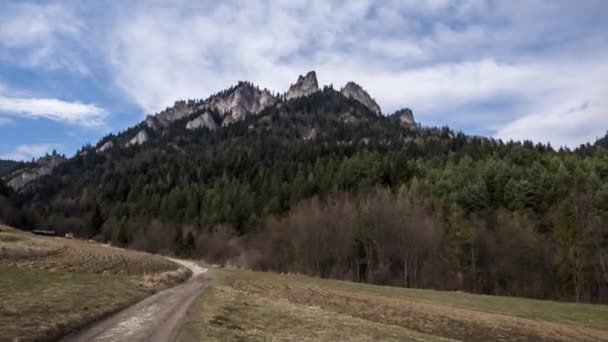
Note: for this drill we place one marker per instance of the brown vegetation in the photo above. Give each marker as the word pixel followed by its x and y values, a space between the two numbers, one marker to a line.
pixel 256 306
pixel 399 239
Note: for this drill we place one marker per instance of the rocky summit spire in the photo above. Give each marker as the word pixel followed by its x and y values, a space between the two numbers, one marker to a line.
pixel 405 117
pixel 354 91
pixel 305 85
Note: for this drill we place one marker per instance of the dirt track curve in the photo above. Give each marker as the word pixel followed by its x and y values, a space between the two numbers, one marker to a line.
pixel 153 319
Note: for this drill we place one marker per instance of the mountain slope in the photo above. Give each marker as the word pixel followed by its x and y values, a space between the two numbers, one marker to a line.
pixel 22 175
pixel 252 157
pixel 7 166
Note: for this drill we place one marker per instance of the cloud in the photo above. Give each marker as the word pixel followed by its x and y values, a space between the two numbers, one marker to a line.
pixel 41 36
pixel 566 127
pixel 29 151
pixel 87 115
pixel 33 24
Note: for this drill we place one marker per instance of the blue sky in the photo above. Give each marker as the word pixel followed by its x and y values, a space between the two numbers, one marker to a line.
pixel 73 71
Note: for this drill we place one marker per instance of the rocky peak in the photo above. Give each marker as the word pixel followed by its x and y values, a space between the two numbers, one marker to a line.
pixel 354 91
pixel 244 100
pixel 305 85
pixel 405 117
pixel 180 110
pixel 236 103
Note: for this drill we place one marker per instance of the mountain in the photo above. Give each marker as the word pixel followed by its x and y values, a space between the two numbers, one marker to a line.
pixel 244 135
pixel 316 180
pixel 231 106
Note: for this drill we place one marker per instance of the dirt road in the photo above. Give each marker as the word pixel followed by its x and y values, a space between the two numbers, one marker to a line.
pixel 153 319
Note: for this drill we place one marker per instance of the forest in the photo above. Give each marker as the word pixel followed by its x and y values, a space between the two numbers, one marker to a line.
pixel 366 200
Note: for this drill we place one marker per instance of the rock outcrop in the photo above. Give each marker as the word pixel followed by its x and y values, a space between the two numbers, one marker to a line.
pixel 180 110
pixel 405 117
pixel 138 139
pixel 305 85
pixel 244 100
pixel 233 105
pixel 19 179
pixel 354 91
pixel 202 121
pixel 106 146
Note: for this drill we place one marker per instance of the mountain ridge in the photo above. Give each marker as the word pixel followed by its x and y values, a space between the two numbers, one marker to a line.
pixel 229 106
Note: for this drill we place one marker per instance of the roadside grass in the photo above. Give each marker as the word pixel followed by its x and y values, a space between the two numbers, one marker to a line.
pixel 52 286
pixel 245 305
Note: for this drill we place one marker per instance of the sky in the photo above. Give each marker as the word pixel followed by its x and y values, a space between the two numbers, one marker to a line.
pixel 73 71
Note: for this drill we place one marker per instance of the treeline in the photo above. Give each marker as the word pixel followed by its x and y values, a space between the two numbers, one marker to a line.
pixel 403 239
pixel 7 166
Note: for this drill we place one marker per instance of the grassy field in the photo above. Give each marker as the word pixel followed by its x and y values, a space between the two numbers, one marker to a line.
pixel 51 286
pixel 244 305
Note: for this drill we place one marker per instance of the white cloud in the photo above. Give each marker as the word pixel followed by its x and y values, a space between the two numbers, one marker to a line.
pixel 41 36
pixel 564 127
pixel 35 24
pixel 29 151
pixel 87 115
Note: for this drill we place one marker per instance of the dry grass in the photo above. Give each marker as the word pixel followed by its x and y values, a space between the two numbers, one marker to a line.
pixel 242 305
pixel 57 254
pixel 51 286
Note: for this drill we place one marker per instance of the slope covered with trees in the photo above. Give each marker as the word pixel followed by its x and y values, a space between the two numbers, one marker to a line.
pixel 7 166
pixel 323 186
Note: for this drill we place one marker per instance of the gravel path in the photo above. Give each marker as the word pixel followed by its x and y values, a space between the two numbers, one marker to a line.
pixel 153 319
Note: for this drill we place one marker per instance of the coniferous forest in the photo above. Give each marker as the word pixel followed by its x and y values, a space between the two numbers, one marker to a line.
pixel 363 199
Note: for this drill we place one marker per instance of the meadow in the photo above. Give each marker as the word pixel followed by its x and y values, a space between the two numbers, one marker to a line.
pixel 50 286
pixel 257 306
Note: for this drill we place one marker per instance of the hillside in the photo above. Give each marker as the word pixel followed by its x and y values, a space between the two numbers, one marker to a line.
pixel 320 182
pixel 7 166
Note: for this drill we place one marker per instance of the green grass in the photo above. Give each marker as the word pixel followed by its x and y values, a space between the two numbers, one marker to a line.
pixel 244 305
